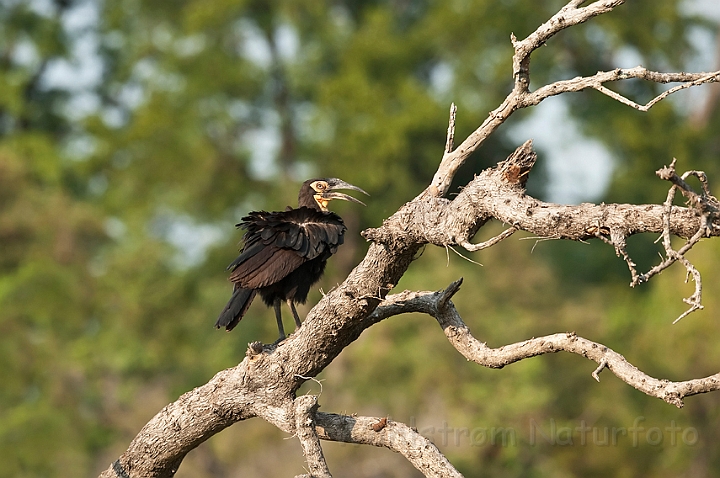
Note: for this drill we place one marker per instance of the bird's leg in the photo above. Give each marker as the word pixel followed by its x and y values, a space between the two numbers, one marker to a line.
pixel 298 324
pixel 278 316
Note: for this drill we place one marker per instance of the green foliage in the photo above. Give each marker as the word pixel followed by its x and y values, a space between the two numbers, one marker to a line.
pixel 106 310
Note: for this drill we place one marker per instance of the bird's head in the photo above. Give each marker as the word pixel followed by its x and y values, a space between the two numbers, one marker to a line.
pixel 317 193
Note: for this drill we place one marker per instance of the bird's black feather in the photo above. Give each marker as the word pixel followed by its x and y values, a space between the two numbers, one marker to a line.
pixel 235 308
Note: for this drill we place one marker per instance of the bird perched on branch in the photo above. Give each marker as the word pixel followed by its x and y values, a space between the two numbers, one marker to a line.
pixel 285 252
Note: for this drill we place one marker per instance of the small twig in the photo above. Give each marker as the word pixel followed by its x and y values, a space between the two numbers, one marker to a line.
pixel 710 77
pixel 597 81
pixel 596 373
pixel 694 301
pixel 466 258
pixel 468 246
pixel 449 142
pixel 319 382
pixel 447 294
pixel 618 240
pixel 538 240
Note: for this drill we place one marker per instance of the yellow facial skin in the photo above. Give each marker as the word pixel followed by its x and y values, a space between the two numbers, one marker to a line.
pixel 320 187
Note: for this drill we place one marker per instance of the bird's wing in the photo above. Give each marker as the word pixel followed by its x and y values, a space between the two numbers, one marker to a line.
pixel 277 243
pixel 265 268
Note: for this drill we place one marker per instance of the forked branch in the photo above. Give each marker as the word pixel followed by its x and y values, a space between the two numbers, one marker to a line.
pixel 521 97
pixel 458 334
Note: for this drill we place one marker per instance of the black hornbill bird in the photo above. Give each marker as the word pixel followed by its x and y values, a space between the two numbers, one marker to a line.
pixel 285 252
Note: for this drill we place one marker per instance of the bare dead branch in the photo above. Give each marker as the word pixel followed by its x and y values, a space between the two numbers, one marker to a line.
pixel 396 436
pixel 711 77
pixel 568 16
pixel 305 410
pixel 598 80
pixel 499 193
pixel 671 392
pixel 159 448
pixel 707 207
pixel 705 202
pixel 520 97
pixel 618 240
pixel 472 349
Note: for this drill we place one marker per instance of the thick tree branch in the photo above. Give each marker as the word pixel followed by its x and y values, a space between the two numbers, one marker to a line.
pixel 498 193
pixel 437 305
pixel 159 448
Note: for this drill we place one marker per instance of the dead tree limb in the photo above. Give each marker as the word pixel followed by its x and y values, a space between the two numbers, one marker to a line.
pixel 438 305
pixel 383 432
pixel 521 96
pixel 305 418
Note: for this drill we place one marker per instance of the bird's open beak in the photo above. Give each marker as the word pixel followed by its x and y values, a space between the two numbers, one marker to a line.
pixel 335 184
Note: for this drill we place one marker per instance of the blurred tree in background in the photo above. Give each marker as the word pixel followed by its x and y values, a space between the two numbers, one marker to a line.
pixel 134 134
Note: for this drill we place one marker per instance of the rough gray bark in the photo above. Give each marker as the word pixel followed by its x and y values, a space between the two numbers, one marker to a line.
pixel 264 384
pixel 305 418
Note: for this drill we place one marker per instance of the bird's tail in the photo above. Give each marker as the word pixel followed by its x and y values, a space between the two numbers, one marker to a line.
pixel 235 308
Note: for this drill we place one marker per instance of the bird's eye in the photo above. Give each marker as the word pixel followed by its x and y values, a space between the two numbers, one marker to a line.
pixel 320 186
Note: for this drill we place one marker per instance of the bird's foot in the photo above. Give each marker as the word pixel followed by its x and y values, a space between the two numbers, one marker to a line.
pixel 254 348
